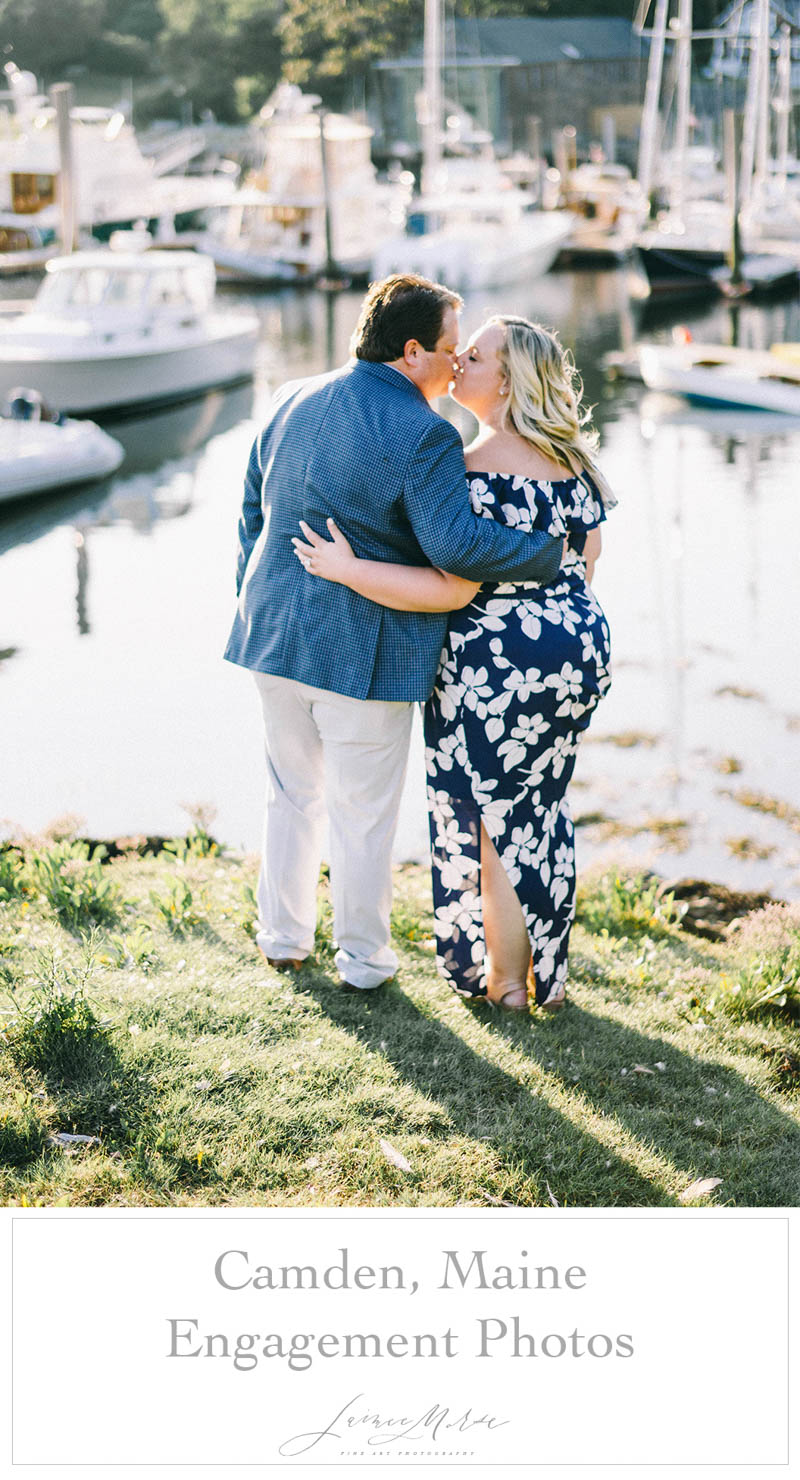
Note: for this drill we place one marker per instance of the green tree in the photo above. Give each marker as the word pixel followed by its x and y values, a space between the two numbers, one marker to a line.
pixel 326 44
pixel 140 18
pixel 207 45
pixel 43 43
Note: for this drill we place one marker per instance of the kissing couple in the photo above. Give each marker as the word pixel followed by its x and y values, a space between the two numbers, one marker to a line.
pixel 380 566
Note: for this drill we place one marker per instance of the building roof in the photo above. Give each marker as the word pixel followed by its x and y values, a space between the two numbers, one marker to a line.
pixel 505 41
pixel 534 39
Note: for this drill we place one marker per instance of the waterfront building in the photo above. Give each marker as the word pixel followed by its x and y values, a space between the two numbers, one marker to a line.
pixel 506 72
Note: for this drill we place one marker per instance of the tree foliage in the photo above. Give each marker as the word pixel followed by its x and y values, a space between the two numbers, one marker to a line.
pixel 325 43
pixel 39 42
pixel 209 44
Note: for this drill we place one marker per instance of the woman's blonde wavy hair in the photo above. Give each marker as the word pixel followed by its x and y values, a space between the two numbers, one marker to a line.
pixel 544 399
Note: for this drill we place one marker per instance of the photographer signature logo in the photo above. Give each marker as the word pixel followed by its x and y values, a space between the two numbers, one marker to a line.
pixel 356 1422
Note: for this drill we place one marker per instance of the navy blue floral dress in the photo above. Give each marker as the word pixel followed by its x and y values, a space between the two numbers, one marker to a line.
pixel 520 675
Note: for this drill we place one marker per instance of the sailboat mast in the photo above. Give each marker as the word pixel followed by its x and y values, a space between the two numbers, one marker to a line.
pixel 432 88
pixel 750 112
pixel 652 96
pixel 683 103
pixel 784 103
pixel 762 92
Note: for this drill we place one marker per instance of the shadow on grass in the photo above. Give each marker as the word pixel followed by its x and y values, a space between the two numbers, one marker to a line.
pixel 701 1116
pixel 482 1101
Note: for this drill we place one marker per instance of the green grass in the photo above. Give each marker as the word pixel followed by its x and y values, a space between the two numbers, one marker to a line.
pixel 210 1079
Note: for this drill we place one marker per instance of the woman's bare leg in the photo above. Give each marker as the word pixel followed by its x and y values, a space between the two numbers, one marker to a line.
pixel 508 948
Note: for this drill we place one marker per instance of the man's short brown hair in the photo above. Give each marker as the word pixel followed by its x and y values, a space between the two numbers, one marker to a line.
pixel 397 309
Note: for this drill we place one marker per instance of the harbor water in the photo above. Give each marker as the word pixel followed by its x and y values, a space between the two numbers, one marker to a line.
pixel 115 603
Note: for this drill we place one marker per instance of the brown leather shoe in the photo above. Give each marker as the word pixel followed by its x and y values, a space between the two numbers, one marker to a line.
pixel 283 963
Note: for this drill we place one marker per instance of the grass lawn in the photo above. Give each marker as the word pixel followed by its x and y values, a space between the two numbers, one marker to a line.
pixel 137 1012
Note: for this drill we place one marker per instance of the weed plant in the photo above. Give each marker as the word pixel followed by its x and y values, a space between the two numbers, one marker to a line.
pixel 13 879
pixel 197 843
pixel 770 984
pixel 72 879
pixel 55 1030
pixel 626 905
pixel 177 907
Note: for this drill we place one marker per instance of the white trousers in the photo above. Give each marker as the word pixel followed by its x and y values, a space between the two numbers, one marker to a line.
pixel 323 748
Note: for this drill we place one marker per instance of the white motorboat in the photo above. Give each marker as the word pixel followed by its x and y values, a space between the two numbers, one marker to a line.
pixel 110 329
pixel 723 375
pixel 478 231
pixel 275 229
pixel 39 453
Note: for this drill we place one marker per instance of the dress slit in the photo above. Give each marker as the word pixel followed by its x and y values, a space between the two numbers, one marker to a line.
pixel 458 906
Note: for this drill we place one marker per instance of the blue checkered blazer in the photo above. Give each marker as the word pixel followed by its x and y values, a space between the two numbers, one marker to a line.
pixel 361 445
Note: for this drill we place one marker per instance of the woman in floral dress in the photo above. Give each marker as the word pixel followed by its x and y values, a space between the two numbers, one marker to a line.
pixel 521 673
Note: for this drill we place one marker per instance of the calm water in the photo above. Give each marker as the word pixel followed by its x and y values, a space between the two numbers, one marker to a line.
pixel 115 606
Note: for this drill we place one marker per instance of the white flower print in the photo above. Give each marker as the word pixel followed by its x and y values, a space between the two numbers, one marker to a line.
pixel 587 642
pixel 522 685
pixel 532 621
pixel 450 698
pixel 559 890
pixel 568 684
pixel 493 814
pixel 442 759
pixel 461 914
pixel 476 688
pixel 448 833
pixel 480 496
pixel 516 518
pixel 562 750
pixel 482 790
pixel 561 614
pixel 455 869
pixel 529 727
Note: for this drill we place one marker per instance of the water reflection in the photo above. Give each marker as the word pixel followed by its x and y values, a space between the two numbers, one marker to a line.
pixel 167 441
pixel 178 431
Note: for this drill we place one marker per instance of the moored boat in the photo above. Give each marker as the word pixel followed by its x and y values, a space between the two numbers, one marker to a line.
pixel 315 204
pixel 40 452
pixel 724 375
pixel 480 232
pixel 110 329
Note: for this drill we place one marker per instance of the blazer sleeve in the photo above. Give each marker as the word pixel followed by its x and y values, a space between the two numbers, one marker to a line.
pixel 456 539
pixel 251 519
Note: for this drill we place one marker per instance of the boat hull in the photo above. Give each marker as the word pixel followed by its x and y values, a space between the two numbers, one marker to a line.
pixel 488 261
pixel 728 378
pixel 83 382
pixel 670 271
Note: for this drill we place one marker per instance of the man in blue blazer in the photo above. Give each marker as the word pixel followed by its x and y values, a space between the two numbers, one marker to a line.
pixel 337 674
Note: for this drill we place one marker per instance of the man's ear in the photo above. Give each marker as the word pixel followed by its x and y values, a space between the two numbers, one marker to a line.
pixel 411 351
